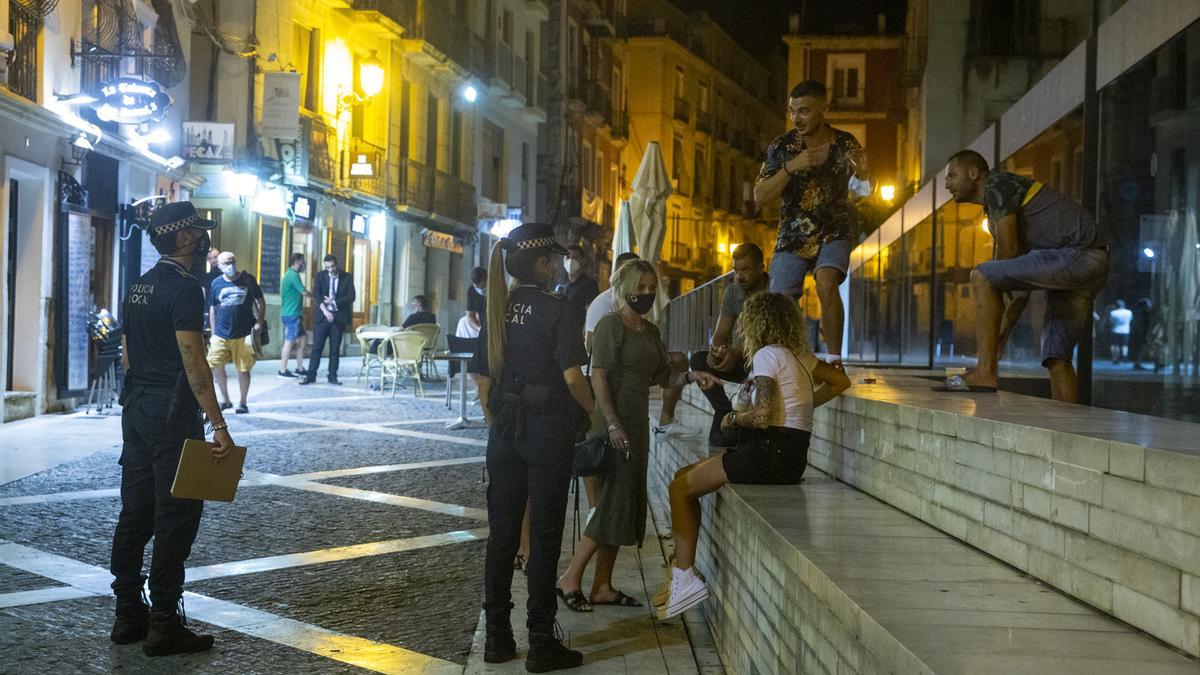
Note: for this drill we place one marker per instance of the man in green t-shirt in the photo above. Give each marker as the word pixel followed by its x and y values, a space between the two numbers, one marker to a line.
pixel 291 306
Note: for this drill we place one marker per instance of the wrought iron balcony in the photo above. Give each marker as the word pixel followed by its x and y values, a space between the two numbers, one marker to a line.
pixel 682 110
pixel 454 198
pixel 416 183
pixel 322 149
pixel 372 155
pixel 22 62
pixel 703 121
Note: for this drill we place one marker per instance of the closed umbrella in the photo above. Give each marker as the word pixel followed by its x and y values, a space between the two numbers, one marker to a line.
pixel 648 207
pixel 624 239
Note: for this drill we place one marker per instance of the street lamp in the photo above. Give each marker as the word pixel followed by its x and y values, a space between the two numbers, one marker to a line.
pixel 887 192
pixel 470 94
pixel 370 76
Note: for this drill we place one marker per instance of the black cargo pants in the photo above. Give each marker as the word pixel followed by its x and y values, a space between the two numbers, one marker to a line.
pixel 534 466
pixel 149 458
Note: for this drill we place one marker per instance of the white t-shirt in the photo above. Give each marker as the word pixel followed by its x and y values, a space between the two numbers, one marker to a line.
pixel 1121 318
pixel 795 385
pixel 465 329
pixel 603 305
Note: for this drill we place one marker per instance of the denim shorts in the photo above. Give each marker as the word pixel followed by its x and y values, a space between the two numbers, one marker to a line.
pixel 293 329
pixel 788 269
pixel 1071 278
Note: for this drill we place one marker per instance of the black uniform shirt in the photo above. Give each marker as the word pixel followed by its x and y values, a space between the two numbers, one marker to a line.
pixel 582 291
pixel 163 300
pixel 545 338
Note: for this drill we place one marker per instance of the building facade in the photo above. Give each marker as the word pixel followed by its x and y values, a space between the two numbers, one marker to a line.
pixel 88 87
pixel 387 133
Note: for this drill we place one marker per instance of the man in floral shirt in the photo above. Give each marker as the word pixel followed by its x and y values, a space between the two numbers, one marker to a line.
pixel 810 168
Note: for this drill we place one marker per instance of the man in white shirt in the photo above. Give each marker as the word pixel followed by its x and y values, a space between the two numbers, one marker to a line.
pixel 1119 320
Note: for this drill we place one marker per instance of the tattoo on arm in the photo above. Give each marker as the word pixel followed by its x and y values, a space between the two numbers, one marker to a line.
pixel 766 399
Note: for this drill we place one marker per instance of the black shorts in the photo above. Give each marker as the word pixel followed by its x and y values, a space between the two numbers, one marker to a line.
pixel 774 456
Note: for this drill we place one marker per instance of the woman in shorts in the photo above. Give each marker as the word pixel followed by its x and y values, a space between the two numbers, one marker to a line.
pixel 774 411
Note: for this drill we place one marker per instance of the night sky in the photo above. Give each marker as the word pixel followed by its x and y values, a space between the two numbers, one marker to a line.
pixel 757 25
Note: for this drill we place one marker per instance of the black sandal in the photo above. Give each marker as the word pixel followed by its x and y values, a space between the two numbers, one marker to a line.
pixel 575 600
pixel 621 600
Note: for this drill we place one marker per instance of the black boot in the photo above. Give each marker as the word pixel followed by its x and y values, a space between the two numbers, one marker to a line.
pixel 133 620
pixel 169 634
pixel 547 653
pixel 499 645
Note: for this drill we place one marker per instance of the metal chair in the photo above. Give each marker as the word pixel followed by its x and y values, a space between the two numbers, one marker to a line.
pixel 366 334
pixel 432 332
pixel 461 345
pixel 403 354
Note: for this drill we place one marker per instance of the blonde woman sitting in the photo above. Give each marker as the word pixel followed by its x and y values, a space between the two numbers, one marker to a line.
pixel 774 410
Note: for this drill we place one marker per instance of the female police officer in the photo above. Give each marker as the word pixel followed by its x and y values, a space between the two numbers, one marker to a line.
pixel 529 367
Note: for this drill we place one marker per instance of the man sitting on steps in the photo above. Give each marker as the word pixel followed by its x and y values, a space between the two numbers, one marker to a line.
pixel 724 359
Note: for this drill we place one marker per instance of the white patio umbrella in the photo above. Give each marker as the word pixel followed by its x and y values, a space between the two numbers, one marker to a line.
pixel 624 239
pixel 648 208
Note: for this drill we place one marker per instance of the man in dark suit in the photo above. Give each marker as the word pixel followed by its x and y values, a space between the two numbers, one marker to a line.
pixel 335 291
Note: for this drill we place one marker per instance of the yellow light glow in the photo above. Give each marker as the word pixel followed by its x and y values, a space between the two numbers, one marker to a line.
pixel 338 72
pixel 888 192
pixel 984 224
pixel 722 247
pixel 370 76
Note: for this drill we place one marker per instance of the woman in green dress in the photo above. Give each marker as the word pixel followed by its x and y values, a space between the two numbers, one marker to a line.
pixel 628 357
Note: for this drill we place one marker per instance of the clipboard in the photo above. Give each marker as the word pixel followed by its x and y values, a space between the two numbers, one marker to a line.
pixel 198 476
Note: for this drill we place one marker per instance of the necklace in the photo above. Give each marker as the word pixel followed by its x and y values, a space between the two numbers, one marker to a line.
pixel 639 326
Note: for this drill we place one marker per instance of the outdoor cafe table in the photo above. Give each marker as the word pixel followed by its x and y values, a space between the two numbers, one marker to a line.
pixel 463 358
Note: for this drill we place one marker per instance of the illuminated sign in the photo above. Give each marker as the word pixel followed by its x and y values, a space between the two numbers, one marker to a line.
pixel 128 100
pixel 208 140
pixel 364 164
pixel 302 207
pixel 358 223
pixel 442 241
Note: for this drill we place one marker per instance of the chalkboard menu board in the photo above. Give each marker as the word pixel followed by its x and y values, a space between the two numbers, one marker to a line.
pixel 270 258
pixel 337 247
pixel 78 258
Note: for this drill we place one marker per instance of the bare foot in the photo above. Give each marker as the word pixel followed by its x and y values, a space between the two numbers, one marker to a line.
pixel 978 378
pixel 566 587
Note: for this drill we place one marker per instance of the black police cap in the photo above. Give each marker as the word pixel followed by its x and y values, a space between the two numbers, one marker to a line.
pixel 177 216
pixel 531 236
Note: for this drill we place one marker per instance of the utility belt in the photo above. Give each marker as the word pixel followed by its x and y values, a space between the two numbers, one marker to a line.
pixel 516 400
pixel 182 406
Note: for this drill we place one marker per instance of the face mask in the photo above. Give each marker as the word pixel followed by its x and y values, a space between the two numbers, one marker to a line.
pixel 571 265
pixel 229 270
pixel 641 303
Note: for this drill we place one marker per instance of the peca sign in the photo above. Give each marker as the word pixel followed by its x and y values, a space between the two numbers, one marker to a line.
pixel 128 100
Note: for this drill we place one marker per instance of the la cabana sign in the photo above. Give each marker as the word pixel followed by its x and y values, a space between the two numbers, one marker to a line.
pixel 128 100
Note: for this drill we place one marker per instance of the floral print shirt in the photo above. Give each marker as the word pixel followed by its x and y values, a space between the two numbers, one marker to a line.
pixel 815 208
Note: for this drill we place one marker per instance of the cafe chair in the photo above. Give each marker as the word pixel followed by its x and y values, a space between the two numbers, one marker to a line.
pixel 432 332
pixel 403 358
pixel 366 334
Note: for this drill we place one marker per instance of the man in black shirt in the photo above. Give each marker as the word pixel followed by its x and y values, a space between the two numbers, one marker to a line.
pixel 421 312
pixel 167 386
pixel 581 289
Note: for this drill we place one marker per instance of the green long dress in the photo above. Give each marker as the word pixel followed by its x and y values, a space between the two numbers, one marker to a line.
pixel 634 362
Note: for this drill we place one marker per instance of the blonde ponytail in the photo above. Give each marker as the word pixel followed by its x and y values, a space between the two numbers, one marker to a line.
pixel 497 305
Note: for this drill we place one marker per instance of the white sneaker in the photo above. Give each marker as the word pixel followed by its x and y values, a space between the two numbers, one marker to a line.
pixel 661 596
pixel 677 429
pixel 687 591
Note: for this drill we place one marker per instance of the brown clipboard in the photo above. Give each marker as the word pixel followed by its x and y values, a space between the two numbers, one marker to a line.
pixel 199 476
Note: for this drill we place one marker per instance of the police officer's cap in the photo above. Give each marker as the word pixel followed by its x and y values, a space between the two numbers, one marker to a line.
pixel 178 216
pixel 533 237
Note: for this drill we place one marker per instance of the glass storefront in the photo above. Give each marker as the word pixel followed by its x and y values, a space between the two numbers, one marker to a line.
pixel 1149 191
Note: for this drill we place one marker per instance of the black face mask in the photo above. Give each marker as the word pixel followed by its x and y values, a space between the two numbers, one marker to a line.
pixel 203 244
pixel 641 303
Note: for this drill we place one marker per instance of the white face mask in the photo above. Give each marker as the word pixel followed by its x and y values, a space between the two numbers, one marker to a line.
pixel 229 270
pixel 571 265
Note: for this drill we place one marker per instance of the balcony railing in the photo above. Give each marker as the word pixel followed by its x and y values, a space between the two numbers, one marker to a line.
pixel 596 98
pixel 322 150
pixel 703 121
pixel 620 124
pixel 504 63
pixel 373 155
pixel 682 110
pixel 453 198
pixel 416 185
pixel 521 83
pixel 22 63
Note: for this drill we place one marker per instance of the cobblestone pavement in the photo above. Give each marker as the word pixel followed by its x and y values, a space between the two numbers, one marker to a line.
pixel 355 541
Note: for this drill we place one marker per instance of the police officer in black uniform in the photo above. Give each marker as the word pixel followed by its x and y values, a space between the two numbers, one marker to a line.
pixel 529 363
pixel 167 386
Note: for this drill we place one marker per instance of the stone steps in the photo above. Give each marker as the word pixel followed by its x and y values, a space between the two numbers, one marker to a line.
pixel 824 577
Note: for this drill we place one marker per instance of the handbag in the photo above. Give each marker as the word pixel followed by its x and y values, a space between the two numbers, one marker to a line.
pixel 592 456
